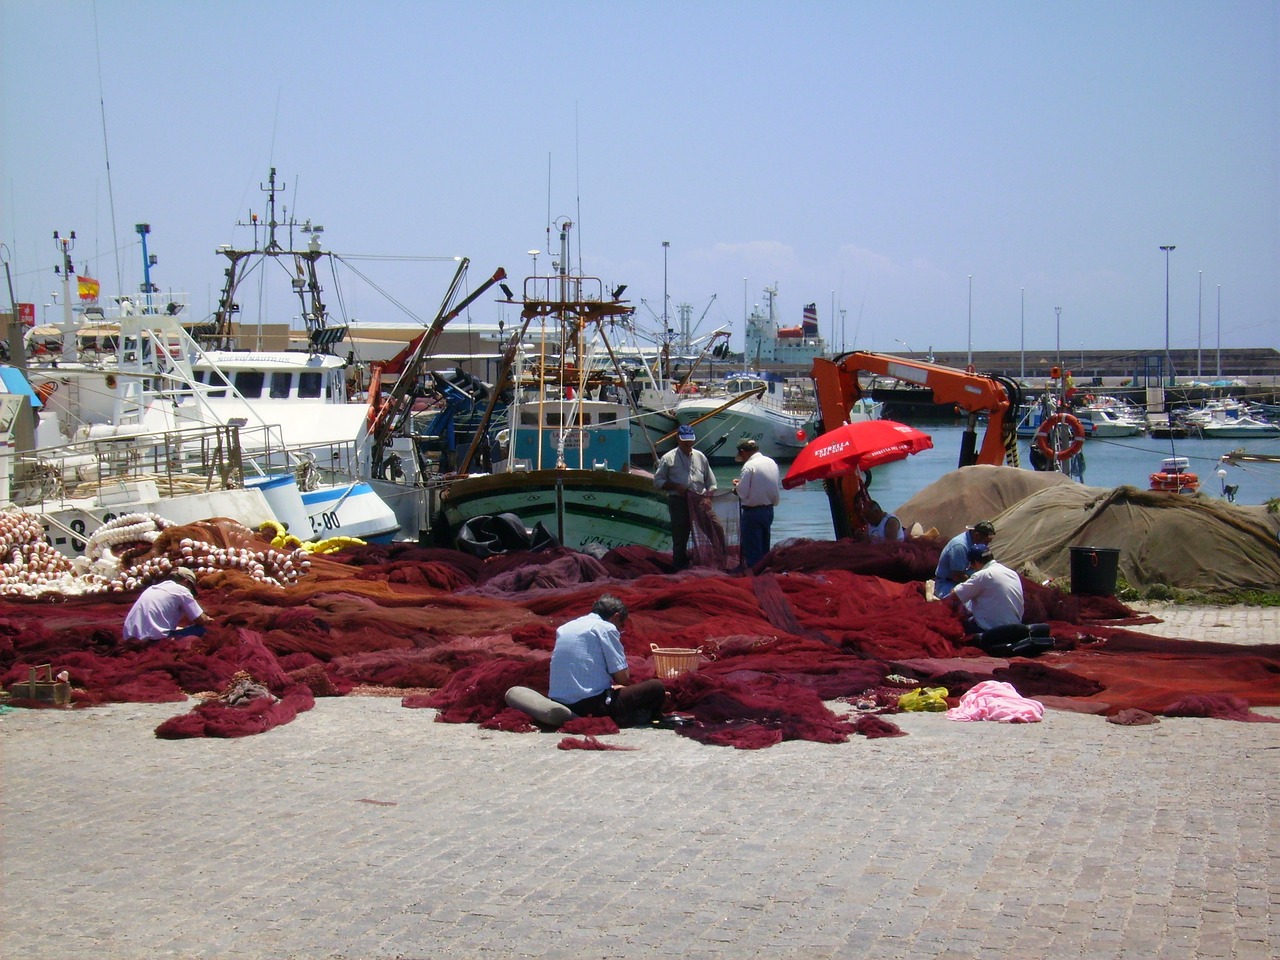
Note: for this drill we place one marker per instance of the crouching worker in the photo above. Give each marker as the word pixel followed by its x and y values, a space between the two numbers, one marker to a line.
pixel 991 596
pixel 589 672
pixel 162 609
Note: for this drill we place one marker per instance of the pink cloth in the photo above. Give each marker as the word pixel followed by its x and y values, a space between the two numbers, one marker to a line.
pixel 999 701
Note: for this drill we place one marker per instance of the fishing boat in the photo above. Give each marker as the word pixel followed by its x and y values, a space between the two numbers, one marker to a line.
pixel 561 457
pixel 138 370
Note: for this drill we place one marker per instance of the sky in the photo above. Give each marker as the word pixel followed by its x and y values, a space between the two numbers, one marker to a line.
pixel 943 175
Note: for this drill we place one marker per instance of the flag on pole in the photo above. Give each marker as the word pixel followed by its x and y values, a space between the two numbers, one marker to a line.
pixel 88 288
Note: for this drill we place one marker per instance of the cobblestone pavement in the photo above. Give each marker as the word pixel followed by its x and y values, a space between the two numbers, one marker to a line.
pixel 364 830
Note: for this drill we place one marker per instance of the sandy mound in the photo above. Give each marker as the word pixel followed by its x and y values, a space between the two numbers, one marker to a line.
pixel 963 497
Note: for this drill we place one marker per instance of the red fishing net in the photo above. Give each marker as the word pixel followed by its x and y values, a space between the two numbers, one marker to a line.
pixel 819 622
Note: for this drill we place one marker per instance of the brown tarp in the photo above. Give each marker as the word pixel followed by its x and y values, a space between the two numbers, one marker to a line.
pixel 1190 542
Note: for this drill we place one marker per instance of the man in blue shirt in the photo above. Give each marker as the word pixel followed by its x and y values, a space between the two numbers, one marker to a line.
pixel 589 672
pixel 953 564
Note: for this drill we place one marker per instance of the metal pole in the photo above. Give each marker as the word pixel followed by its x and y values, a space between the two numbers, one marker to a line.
pixel 1219 331
pixel 1057 333
pixel 1168 357
pixel 1022 338
pixel 1199 314
pixel 970 360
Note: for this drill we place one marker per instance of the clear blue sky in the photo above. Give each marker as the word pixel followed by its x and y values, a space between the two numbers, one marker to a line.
pixel 878 155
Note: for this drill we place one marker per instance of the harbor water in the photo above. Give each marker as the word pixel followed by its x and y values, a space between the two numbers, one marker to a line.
pixel 804 512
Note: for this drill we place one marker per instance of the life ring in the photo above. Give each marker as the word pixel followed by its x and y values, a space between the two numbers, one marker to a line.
pixel 1048 429
pixel 1175 482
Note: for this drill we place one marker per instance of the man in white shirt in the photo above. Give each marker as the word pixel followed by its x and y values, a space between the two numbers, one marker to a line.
pixel 161 609
pixel 991 596
pixel 758 488
pixel 686 476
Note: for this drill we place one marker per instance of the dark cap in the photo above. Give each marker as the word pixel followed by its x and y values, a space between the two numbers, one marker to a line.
pixel 985 527
pixel 980 553
pixel 748 444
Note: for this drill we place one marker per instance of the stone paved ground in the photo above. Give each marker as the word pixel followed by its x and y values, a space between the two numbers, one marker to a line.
pixel 365 830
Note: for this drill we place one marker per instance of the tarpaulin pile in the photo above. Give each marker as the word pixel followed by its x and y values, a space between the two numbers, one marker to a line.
pixel 819 621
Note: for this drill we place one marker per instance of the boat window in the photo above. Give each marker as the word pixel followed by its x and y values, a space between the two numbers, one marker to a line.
pixel 608 416
pixel 197 376
pixel 281 382
pixel 216 379
pixel 249 383
pixel 310 385
pixel 554 419
pixel 528 418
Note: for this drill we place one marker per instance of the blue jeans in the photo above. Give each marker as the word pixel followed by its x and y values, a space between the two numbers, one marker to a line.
pixel 753 533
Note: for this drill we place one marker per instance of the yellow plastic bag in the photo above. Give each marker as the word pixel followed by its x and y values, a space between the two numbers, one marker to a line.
pixel 928 699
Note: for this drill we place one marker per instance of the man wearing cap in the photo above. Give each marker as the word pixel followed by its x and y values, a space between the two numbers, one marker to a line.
pixel 161 609
pixel 685 475
pixel 758 487
pixel 953 564
pixel 991 596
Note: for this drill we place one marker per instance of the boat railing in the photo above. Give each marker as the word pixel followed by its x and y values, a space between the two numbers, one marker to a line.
pixel 564 289
pixel 177 462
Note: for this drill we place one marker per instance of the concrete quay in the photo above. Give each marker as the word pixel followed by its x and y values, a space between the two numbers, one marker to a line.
pixel 365 830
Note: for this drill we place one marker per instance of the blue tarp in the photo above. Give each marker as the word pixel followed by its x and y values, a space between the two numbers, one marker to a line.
pixel 15 382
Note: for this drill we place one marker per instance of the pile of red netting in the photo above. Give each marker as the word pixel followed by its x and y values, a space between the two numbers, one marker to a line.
pixel 816 622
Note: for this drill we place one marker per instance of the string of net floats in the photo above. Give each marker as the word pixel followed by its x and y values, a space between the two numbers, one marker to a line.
pixel 816 623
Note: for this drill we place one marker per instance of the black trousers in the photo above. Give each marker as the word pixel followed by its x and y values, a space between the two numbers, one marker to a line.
pixel 631 706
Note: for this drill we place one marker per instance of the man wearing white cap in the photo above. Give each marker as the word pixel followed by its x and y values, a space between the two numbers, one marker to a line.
pixel 160 610
pixel 686 476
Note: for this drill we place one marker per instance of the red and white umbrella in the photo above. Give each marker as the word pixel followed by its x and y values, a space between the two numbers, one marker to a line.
pixel 855 446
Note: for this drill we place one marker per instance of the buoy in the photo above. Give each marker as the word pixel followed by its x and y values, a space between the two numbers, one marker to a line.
pixel 1048 431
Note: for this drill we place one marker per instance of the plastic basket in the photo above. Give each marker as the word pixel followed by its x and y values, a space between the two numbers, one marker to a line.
pixel 670 662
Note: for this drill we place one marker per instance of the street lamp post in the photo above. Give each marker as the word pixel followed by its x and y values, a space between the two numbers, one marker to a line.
pixel 1022 338
pixel 1168 357
pixel 970 360
pixel 1199 316
pixel 1219 331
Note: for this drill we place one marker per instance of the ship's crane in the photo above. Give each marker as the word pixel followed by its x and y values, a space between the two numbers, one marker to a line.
pixel 838 389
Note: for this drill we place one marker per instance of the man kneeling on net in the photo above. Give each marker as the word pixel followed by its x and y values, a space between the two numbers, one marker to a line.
pixel 589 672
pixel 991 605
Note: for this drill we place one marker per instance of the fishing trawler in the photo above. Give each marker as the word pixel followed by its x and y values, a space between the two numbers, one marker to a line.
pixel 139 371
pixel 561 456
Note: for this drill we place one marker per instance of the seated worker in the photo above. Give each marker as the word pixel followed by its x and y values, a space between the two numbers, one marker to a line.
pixel 589 672
pixel 953 564
pixel 161 609
pixel 882 526
pixel 992 595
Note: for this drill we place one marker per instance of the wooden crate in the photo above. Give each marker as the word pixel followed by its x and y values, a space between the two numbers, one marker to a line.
pixel 41 687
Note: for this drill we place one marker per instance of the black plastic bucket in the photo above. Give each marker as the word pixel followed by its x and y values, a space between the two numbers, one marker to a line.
pixel 1093 570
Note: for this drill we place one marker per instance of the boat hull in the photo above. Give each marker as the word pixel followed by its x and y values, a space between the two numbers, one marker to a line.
pixel 581 508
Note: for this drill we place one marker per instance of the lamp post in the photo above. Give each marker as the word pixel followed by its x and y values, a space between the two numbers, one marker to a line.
pixel 1199 315
pixel 1219 331
pixel 1022 338
pixel 1168 357
pixel 1057 335
pixel 970 360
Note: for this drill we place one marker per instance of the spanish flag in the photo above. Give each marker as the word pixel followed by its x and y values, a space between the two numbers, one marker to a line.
pixel 88 288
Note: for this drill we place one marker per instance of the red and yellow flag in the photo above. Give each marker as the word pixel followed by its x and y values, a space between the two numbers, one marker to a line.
pixel 88 288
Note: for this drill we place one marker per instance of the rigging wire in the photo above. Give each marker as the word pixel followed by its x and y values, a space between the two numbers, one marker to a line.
pixel 106 153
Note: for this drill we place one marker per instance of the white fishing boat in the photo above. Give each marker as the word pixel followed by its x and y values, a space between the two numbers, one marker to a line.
pixel 562 457
pixel 776 413
pixel 139 371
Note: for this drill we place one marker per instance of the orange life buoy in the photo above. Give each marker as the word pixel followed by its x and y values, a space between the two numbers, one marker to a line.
pixel 1048 429
pixel 1175 482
